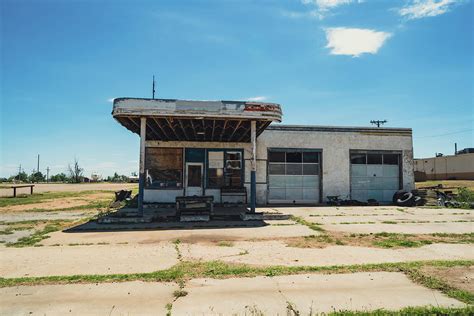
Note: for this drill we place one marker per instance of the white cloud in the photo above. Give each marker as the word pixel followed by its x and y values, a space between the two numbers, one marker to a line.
pixel 111 100
pixel 354 42
pixel 260 98
pixel 324 6
pixel 418 9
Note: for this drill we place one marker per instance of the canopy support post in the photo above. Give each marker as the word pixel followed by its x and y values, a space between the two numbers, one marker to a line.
pixel 253 178
pixel 141 183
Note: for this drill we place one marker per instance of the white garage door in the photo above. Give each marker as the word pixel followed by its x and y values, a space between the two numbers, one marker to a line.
pixel 374 176
pixel 293 176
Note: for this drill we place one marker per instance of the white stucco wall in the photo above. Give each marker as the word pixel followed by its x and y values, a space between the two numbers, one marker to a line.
pixel 335 148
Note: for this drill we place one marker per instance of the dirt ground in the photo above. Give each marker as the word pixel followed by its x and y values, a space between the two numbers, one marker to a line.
pixel 68 187
pixel 459 277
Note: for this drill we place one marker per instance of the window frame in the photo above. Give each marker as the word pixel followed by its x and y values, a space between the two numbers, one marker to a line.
pixel 181 180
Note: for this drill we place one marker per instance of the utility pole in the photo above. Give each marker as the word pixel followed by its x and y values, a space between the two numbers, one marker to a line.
pixel 38 168
pixel 378 122
pixel 455 148
pixel 19 171
pixel 153 89
pixel 47 174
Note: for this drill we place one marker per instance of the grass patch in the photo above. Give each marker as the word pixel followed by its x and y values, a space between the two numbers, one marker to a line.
pixel 349 223
pixel 39 235
pixel 225 244
pixel 219 269
pixel 302 221
pixel 41 197
pixel 179 293
pixel 389 222
pixel 437 284
pixel 94 205
pixel 409 311
pixel 400 243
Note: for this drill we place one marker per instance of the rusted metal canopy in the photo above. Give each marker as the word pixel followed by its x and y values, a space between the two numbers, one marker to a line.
pixel 179 120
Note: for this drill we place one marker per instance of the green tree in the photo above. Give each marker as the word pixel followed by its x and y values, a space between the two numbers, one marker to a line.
pixel 36 177
pixel 60 177
pixel 22 176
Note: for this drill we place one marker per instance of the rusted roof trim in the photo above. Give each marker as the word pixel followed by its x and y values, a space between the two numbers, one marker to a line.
pixel 207 109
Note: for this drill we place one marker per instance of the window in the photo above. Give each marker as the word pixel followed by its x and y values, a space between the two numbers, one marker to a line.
pixel 374 159
pixel 233 166
pixel 216 178
pixel 164 167
pixel 225 169
pixel 390 159
pixel 294 157
pixel 216 169
pixel 310 157
pixel 359 159
pixel 276 156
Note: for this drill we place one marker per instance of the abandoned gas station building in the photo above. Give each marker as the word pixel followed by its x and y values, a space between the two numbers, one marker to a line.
pixel 205 148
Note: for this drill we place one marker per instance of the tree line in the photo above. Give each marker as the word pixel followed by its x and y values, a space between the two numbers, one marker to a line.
pixel 75 174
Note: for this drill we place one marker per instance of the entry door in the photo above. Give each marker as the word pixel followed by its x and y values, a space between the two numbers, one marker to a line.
pixel 194 178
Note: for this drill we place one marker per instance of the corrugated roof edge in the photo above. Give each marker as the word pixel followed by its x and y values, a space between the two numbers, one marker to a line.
pixel 317 128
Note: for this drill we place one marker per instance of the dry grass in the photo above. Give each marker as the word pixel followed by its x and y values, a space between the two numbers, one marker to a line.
pixel 447 184
pixel 378 240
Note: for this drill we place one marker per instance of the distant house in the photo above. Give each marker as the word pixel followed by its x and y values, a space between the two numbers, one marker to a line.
pixel 202 147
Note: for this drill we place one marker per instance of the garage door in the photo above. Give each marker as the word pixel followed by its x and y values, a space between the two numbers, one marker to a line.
pixel 293 176
pixel 374 175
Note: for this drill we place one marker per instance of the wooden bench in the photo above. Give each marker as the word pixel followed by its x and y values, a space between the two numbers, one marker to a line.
pixel 14 187
pixel 194 208
pixel 234 191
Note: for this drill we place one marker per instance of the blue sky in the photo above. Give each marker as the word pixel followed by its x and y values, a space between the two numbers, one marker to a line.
pixel 328 62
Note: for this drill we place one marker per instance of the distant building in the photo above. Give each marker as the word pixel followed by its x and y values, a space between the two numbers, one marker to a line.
pixel 454 167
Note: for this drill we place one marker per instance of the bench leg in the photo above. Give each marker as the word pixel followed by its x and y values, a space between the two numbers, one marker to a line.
pixel 14 192
pixel 31 190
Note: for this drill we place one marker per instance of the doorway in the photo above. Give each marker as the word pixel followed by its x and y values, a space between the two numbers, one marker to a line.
pixel 194 183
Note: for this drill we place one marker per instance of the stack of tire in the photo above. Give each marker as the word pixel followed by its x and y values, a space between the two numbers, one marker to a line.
pixel 404 198
pixel 432 198
pixel 423 194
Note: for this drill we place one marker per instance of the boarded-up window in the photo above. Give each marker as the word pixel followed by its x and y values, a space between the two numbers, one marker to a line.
pixel 164 167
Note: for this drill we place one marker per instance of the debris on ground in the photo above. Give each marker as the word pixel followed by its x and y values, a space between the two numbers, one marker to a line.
pixel 435 196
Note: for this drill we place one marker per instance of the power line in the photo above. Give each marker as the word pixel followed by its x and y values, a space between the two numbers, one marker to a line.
pixel 446 134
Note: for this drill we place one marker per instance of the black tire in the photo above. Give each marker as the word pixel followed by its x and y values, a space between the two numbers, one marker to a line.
pixel 397 195
pixel 408 199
